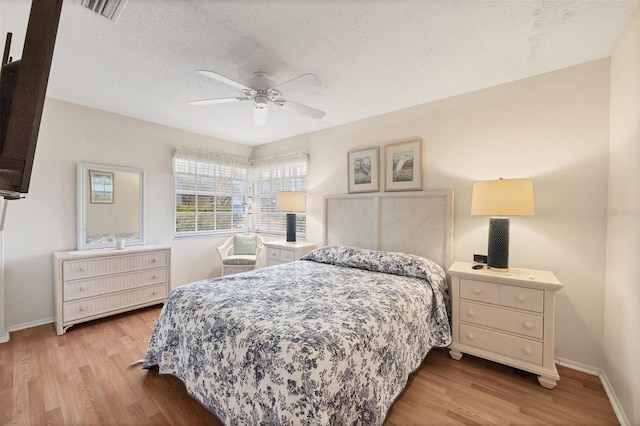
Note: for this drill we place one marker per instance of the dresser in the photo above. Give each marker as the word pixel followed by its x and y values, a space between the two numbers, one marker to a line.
pixel 506 317
pixel 279 252
pixel 97 283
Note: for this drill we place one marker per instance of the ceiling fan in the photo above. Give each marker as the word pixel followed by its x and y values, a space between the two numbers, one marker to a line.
pixel 262 90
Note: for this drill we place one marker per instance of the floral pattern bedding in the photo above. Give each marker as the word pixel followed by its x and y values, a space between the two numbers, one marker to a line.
pixel 329 339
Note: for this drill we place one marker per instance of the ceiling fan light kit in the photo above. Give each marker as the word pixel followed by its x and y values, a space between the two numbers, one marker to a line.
pixel 262 90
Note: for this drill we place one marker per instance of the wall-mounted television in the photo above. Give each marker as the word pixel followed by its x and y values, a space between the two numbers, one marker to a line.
pixel 23 86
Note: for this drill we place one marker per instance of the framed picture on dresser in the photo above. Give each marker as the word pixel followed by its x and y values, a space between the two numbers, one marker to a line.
pixel 403 166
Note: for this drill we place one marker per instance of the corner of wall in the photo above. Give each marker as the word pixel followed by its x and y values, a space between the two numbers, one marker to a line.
pixel 613 398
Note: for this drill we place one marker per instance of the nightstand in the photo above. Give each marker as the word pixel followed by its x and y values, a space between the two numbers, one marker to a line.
pixel 506 317
pixel 279 252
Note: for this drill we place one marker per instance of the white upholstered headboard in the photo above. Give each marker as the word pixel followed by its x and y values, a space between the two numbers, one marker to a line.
pixel 419 223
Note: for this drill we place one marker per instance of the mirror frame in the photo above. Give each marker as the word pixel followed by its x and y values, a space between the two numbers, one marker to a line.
pixel 83 183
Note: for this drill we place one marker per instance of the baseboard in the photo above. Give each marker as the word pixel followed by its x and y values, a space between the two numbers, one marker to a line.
pixel 4 338
pixel 31 324
pixel 579 366
pixel 615 402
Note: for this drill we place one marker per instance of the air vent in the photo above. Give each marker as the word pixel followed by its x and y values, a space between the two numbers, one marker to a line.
pixel 110 9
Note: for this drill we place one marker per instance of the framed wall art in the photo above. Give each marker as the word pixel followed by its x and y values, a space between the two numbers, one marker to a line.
pixel 101 187
pixel 363 170
pixel 403 166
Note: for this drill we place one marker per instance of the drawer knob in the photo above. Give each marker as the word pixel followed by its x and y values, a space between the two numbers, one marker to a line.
pixel 521 298
pixel 154 260
pixel 83 268
pixel 83 288
pixel 471 313
pixel 153 277
pixel 528 325
pixel 154 293
pixel 83 308
pixel 477 291
pixel 528 351
pixel 471 336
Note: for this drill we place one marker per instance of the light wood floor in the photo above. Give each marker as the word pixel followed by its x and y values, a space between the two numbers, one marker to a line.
pixel 84 377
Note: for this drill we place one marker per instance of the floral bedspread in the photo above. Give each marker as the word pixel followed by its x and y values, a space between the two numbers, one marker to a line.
pixel 329 339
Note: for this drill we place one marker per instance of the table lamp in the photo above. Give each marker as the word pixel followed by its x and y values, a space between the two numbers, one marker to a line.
pixel 498 198
pixel 290 202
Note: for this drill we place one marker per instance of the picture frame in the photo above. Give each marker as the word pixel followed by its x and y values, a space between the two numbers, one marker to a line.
pixel 363 166
pixel 101 187
pixel 403 166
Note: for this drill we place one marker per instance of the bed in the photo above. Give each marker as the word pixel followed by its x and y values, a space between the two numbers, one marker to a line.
pixel 329 339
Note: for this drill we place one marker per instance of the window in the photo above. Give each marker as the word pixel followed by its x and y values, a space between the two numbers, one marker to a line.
pixel 282 173
pixel 211 192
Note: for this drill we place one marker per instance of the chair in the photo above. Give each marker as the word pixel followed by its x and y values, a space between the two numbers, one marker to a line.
pixel 240 253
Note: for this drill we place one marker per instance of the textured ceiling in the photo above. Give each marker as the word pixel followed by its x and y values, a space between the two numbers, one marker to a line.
pixel 373 57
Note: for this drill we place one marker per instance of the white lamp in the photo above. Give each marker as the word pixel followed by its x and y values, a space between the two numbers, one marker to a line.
pixel 503 197
pixel 291 202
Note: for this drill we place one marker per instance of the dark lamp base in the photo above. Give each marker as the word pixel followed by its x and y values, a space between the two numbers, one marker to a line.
pixel 291 227
pixel 498 251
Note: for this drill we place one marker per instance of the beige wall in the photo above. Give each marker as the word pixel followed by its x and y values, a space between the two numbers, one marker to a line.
pixel 552 128
pixel 45 221
pixel 622 295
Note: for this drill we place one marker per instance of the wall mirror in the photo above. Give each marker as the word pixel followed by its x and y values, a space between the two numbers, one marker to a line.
pixel 111 206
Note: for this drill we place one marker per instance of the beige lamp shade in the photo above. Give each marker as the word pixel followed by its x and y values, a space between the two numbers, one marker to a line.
pixel 503 197
pixel 290 201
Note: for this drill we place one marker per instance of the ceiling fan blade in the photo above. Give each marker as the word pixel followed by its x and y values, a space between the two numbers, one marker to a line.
pixel 302 109
pixel 224 80
pixel 260 116
pixel 217 101
pixel 305 81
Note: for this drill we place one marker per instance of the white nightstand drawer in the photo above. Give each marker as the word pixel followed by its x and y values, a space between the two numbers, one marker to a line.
pixel 512 321
pixel 479 290
pixel 281 254
pixel 287 255
pixel 522 298
pixel 514 347
pixel 273 254
pixel 505 295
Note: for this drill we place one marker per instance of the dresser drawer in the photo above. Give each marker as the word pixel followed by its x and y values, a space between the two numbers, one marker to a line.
pixel 522 298
pixel 502 319
pixel 478 290
pixel 273 254
pixel 505 295
pixel 280 254
pixel 287 255
pixel 78 269
pixel 85 308
pixel 97 286
pixel 511 346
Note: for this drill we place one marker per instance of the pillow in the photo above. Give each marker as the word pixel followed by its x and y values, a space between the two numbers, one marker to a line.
pixel 244 244
pixel 381 261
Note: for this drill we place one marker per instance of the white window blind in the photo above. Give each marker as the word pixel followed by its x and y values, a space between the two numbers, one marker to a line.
pixel 211 191
pixel 274 174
